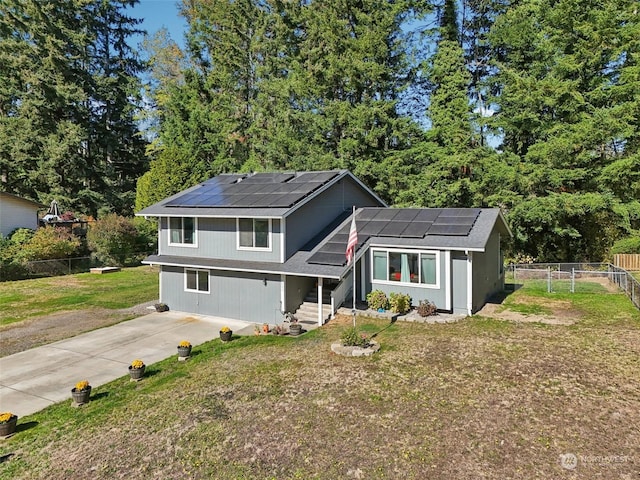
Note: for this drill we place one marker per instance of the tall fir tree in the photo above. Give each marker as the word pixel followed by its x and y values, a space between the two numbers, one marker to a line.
pixel 568 86
pixel 67 127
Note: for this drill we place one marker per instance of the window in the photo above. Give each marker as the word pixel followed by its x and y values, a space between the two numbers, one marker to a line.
pixel 254 233
pixel 420 268
pixel 182 231
pixel 196 281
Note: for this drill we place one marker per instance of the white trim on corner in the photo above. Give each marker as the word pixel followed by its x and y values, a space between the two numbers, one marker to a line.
pixel 283 240
pixel 255 249
pixel 283 293
pixel 469 283
pixel 448 300
pixel 195 233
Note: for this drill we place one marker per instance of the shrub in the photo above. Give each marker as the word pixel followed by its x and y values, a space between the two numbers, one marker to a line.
pixel 627 245
pixel 377 299
pixel 426 308
pixel 352 338
pixel 50 243
pixel 400 302
pixel 112 239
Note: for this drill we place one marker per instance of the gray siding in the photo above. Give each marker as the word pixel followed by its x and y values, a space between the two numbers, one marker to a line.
pixel 459 282
pixel 313 217
pixel 241 296
pixel 217 238
pixel 296 289
pixel 487 279
pixel 15 213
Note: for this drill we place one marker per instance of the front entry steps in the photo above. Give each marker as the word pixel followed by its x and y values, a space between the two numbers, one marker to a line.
pixel 308 311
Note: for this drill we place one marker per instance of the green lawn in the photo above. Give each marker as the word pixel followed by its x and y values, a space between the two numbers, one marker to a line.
pixel 24 299
pixel 481 398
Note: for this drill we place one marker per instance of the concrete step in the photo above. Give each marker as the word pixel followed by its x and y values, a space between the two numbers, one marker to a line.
pixel 309 312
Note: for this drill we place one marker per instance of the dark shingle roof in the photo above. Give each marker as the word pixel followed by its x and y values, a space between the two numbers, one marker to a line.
pixel 258 195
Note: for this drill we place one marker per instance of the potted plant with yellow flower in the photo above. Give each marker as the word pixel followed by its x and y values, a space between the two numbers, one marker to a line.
pixel 136 370
pixel 8 422
pixel 225 334
pixel 184 350
pixel 81 393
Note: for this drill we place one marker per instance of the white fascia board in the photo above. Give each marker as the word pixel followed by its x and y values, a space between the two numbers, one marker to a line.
pixel 276 217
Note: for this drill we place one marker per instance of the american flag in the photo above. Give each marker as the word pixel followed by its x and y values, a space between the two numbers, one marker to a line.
pixel 353 240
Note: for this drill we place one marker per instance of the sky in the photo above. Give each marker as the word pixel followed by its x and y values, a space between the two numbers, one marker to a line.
pixel 157 14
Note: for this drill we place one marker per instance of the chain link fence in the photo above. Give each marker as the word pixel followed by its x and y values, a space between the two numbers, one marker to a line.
pixel 55 267
pixel 576 278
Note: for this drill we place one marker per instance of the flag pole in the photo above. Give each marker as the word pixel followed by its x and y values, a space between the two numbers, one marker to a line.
pixel 354 275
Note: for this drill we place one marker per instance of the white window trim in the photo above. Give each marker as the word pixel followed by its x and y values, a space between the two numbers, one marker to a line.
pixel 197 270
pixel 255 249
pixel 435 286
pixel 195 233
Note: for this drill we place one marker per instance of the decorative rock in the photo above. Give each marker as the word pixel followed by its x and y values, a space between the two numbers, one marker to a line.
pixel 348 351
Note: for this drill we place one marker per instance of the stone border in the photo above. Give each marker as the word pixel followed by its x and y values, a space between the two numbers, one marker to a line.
pixel 345 351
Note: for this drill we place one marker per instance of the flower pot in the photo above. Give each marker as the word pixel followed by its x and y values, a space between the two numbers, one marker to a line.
pixel 226 336
pixel 184 352
pixel 80 397
pixel 295 329
pixel 136 373
pixel 9 427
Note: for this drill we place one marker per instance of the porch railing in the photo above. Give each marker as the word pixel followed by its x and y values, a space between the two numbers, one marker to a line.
pixel 340 293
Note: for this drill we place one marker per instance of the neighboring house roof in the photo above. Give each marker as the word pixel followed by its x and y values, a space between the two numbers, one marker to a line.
pixel 272 195
pixel 24 200
pixel 436 228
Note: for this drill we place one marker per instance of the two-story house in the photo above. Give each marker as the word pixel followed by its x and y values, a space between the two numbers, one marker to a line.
pixel 255 246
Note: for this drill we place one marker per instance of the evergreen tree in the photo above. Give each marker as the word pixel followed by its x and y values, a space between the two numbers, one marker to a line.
pixel 567 86
pixel 66 111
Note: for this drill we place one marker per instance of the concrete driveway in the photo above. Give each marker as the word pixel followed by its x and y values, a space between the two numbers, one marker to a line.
pixel 36 378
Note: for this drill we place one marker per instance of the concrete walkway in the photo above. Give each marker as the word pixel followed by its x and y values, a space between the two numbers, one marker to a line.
pixel 36 378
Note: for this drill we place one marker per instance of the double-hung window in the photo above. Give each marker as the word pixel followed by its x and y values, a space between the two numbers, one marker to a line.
pixel 403 266
pixel 182 231
pixel 254 233
pixel 196 280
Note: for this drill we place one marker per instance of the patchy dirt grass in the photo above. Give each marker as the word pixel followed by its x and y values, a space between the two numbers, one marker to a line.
pixel 33 332
pixel 479 399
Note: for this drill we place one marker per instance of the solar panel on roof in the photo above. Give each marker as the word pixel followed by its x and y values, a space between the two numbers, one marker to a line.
pixel 224 178
pixel 406 214
pixel 394 229
pixel 334 247
pixel 324 258
pixel 268 178
pixel 455 230
pixel 321 177
pixel 288 200
pixel 454 220
pixel 428 215
pixel 372 228
pixel 460 212
pixel 367 214
pixel 416 229
pixel 386 214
